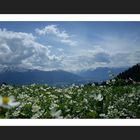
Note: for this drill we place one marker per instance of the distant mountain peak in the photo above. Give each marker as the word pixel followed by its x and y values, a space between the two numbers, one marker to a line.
pixel 100 73
pixel 21 76
pixel 13 69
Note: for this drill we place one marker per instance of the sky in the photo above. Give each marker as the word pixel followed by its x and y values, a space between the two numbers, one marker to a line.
pixel 69 46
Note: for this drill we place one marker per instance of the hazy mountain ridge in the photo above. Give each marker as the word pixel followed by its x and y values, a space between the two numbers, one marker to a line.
pixel 21 76
pixel 38 77
pixel 100 73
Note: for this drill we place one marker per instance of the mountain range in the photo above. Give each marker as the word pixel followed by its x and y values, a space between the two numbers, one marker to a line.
pixel 21 76
pixel 101 73
pixel 25 77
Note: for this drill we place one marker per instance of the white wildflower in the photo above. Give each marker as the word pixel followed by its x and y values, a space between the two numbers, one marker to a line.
pixel 82 85
pixel 131 95
pixel 8 102
pixel 56 114
pixel 85 100
pixel 16 113
pixel 67 96
pixel 102 115
pixel 98 97
pixel 93 84
pixel 35 108
pixel 108 82
pixel 37 114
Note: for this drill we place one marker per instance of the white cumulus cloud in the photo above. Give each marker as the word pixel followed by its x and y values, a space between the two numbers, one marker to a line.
pixel 21 49
pixel 61 35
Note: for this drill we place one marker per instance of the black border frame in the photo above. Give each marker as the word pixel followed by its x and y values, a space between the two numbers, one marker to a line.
pixel 69 7
pixel 70 132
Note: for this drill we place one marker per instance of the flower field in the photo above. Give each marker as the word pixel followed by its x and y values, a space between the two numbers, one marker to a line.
pixel 84 101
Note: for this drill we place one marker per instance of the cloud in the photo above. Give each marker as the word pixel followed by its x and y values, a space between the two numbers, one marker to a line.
pixel 99 57
pixel 125 59
pixel 69 42
pixel 102 57
pixel 61 35
pixel 60 49
pixel 21 49
pixel 86 59
pixel 124 43
pixel 52 29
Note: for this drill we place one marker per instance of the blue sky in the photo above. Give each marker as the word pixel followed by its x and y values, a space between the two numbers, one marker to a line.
pixel 70 46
